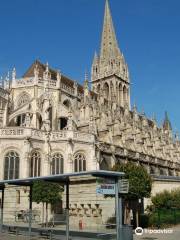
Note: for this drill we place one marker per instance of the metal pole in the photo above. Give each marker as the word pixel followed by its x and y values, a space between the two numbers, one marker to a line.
pixel 2 208
pixel 120 218
pixel 117 209
pixel 30 210
pixel 67 211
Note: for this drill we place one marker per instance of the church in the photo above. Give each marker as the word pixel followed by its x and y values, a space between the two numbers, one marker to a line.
pixel 51 124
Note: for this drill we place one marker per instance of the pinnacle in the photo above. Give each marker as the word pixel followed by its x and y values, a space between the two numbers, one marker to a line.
pixel 109 45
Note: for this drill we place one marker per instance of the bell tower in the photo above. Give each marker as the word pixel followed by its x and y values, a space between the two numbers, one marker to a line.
pixel 109 73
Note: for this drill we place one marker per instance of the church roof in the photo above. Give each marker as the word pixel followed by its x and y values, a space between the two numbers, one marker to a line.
pixel 42 67
pixel 65 80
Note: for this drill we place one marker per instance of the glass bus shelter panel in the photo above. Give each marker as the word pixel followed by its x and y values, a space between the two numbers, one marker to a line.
pixel 90 210
pixel 16 206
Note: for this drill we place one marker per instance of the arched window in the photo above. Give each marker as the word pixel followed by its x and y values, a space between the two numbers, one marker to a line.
pixel 106 90
pixel 57 164
pixel 20 120
pixel 62 123
pixel 23 99
pixel 98 88
pixel 124 95
pixel 35 164
pixel 67 103
pixel 11 165
pixel 120 95
pixel 79 162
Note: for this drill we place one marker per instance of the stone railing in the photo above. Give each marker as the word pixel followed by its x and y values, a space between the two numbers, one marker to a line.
pixel 24 133
pixel 11 132
pixel 20 133
pixel 22 82
pixel 32 81
pixel 60 135
pixel 67 88
pixel 71 135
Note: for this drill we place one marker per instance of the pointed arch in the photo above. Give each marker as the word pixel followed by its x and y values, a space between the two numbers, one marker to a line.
pixel 57 164
pixel 35 164
pixel 80 162
pixel 11 165
pixel 98 88
pixel 23 99
pixel 111 90
pixel 124 96
pixel 120 94
pixel 106 90
pixel 67 103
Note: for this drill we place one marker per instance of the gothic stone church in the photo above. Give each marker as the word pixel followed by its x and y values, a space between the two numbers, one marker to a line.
pixel 50 124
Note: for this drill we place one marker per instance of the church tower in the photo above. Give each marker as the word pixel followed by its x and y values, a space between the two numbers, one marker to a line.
pixel 109 74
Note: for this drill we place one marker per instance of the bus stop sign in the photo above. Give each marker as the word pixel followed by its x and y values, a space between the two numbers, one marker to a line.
pixel 123 185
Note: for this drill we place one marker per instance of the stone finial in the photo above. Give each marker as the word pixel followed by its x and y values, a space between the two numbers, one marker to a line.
pixel 86 86
pixel 95 60
pixel 58 76
pixel 134 108
pixel 75 85
pixel 7 81
pixel 176 136
pixel 143 113
pixel 1 81
pixel 14 74
pixel 36 71
pixel 86 80
pixel 47 74
pixel 167 124
pixel 8 76
pixel 47 67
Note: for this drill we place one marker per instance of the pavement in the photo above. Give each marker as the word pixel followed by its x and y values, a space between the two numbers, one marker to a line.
pixel 14 237
pixel 163 234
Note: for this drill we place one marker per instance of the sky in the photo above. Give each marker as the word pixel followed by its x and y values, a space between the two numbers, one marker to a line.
pixel 66 33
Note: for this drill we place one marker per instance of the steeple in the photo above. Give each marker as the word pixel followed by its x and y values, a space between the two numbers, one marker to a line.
pixel 109 45
pixel 109 73
pixel 167 124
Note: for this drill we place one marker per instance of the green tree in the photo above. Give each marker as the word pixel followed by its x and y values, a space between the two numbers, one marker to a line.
pixel 46 193
pixel 140 185
pixel 167 199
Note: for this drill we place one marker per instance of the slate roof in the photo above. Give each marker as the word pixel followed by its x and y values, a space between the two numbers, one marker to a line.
pixel 65 80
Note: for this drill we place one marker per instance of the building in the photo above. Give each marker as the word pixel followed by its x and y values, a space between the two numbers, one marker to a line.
pixel 50 124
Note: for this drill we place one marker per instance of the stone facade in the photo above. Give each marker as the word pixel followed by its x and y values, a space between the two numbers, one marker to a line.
pixel 50 124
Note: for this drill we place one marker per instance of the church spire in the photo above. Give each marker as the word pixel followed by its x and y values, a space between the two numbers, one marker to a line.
pixel 167 124
pixel 109 70
pixel 109 45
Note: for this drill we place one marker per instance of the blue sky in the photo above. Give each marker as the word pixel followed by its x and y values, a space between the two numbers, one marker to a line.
pixel 67 32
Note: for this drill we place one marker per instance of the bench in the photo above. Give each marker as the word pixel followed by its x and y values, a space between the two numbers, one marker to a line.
pixel 13 229
pixel 46 233
pixel 105 236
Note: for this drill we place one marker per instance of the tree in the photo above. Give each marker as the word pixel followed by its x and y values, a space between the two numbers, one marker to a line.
pixel 140 184
pixel 46 193
pixel 167 199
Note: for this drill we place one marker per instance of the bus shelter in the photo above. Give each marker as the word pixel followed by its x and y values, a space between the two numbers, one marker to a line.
pixel 65 179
